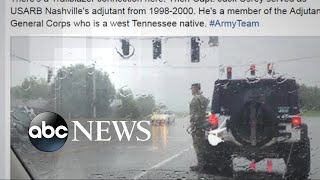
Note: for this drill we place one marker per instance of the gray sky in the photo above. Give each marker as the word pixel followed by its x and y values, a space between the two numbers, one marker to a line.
pixel 169 78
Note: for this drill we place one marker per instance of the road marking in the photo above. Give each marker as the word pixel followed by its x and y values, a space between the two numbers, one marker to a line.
pixel 161 163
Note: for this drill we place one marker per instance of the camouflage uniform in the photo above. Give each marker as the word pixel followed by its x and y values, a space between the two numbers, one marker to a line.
pixel 198 108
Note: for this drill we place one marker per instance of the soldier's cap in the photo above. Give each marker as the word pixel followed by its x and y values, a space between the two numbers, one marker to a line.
pixel 196 85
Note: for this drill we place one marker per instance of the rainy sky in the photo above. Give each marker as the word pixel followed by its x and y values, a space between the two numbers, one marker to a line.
pixel 170 77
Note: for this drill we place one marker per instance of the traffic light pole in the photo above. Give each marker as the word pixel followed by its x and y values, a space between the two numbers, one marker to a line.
pixel 94 92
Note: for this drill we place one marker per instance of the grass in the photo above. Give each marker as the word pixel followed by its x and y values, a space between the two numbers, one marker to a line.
pixel 311 113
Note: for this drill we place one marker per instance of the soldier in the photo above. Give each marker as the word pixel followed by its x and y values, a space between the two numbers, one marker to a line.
pixel 198 108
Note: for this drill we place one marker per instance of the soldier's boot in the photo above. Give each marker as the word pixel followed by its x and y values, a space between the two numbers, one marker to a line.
pixel 201 162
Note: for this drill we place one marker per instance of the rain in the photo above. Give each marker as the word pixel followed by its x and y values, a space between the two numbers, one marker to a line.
pixel 150 79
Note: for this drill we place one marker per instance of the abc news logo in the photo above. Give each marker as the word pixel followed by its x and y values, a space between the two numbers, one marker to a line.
pixel 48 131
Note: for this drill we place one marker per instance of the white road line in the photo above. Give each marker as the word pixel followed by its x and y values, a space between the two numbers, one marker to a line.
pixel 161 163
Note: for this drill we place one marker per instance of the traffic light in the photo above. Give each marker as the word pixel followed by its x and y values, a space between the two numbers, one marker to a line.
pixel 195 49
pixel 157 48
pixel 125 47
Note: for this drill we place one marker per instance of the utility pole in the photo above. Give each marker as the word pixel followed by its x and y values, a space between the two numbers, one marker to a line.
pixel 55 97
pixel 60 96
pixel 94 92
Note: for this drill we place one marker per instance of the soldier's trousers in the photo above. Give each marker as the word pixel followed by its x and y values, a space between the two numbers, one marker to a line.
pixel 199 146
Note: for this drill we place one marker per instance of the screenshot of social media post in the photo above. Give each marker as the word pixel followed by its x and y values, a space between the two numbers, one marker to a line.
pixel 130 106
pixel 160 89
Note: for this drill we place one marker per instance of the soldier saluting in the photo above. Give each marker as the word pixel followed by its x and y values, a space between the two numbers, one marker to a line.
pixel 198 108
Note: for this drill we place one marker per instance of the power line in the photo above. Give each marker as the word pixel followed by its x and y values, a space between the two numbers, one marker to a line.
pixel 21 58
pixel 196 65
pixel 299 58
pixel 28 60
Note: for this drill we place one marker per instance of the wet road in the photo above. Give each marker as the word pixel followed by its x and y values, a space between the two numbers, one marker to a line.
pixel 167 155
pixel 314 134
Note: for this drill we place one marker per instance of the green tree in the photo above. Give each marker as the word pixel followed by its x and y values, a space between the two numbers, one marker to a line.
pixel 128 108
pixel 146 104
pixel 309 97
pixel 74 92
pixel 30 89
